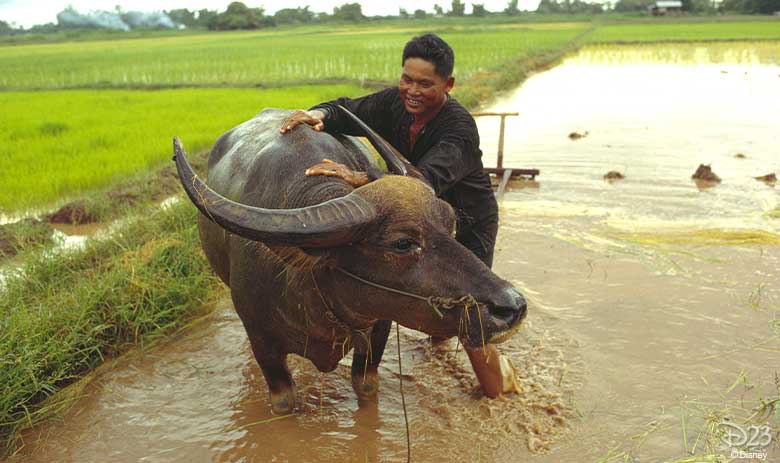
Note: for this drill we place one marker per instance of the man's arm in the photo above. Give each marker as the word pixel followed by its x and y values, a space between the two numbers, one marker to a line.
pixel 327 116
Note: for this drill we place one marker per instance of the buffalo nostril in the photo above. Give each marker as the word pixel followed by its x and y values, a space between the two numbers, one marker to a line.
pixel 507 315
pixel 511 309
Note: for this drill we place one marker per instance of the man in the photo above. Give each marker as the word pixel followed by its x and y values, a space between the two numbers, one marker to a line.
pixel 433 131
pixel 437 135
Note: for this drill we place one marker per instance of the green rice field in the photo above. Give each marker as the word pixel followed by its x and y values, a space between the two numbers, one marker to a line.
pixel 54 144
pixel 260 58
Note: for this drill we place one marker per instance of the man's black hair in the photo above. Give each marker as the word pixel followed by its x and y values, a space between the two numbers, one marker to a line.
pixel 432 48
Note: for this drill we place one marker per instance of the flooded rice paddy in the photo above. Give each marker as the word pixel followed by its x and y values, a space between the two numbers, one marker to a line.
pixel 654 302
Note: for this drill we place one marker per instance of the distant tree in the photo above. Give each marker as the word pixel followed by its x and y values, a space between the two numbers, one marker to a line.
pixel 478 10
pixel 458 8
pixel 762 6
pixel 47 28
pixel 548 6
pixel 183 16
pixel 5 28
pixel 512 9
pixel 294 16
pixel 207 19
pixel 438 10
pixel 569 6
pixel 420 14
pixel 348 12
pixel 240 16
pixel 403 13
pixel 731 6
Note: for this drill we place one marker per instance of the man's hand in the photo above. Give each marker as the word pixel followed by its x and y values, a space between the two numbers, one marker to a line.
pixel 299 116
pixel 334 169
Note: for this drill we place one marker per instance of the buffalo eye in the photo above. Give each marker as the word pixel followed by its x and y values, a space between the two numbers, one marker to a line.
pixel 405 245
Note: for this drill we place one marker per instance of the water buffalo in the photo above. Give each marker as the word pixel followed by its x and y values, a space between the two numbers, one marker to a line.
pixel 316 267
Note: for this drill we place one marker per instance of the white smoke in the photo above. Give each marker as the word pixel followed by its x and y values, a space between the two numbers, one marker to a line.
pixel 69 17
pixel 157 19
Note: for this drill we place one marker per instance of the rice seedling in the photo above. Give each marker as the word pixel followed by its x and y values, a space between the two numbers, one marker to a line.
pixel 54 145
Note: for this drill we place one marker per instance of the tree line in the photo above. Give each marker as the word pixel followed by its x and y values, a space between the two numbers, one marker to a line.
pixel 239 16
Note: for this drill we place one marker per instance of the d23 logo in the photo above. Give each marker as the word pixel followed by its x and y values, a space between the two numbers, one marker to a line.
pixel 751 437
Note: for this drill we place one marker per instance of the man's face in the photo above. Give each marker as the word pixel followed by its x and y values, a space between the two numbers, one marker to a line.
pixel 422 90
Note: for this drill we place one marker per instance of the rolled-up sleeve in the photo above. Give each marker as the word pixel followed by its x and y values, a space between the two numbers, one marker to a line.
pixel 368 108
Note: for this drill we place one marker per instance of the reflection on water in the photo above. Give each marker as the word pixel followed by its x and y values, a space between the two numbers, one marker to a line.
pixel 654 306
pixel 723 55
pixel 654 120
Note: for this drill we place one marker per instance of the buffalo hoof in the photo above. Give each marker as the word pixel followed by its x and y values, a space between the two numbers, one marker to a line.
pixel 366 386
pixel 283 403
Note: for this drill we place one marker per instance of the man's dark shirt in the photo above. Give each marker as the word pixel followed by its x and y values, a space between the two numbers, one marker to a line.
pixel 446 151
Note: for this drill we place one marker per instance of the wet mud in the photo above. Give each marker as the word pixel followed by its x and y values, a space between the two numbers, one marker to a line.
pixel 75 213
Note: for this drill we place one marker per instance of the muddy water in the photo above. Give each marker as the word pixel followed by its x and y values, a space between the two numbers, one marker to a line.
pixel 654 304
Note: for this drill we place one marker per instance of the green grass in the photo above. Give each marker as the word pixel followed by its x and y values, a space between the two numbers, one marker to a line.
pixel 60 317
pixel 57 144
pixel 686 32
pixel 268 58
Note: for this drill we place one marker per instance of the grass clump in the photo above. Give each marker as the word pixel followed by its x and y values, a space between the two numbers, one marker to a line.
pixel 61 316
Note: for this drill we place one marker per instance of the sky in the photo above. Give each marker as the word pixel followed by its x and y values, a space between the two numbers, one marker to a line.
pixel 28 13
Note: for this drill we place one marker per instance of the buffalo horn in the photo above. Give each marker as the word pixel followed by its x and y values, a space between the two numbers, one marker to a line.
pixel 335 222
pixel 396 161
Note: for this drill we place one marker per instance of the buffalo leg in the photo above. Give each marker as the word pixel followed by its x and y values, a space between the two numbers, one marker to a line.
pixel 365 361
pixel 281 387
